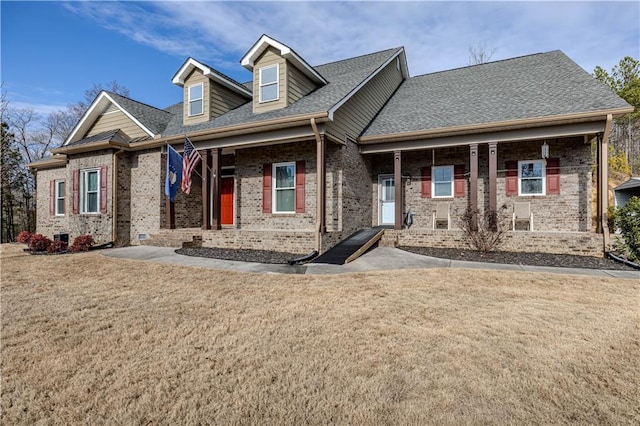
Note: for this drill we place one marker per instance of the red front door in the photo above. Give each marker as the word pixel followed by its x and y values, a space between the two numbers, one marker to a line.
pixel 226 201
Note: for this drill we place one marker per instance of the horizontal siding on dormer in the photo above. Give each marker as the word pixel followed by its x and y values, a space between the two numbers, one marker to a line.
pixel 223 99
pixel 196 77
pixel 298 84
pixel 113 121
pixel 269 57
pixel 352 117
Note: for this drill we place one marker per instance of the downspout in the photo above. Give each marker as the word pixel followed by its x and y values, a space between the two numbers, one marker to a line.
pixel 604 182
pixel 114 196
pixel 320 185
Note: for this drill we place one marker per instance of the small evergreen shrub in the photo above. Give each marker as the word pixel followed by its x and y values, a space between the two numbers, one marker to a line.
pixel 82 243
pixel 24 237
pixel 628 220
pixel 39 243
pixel 57 246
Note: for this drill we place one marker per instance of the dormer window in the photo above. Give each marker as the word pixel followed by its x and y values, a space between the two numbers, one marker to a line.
pixel 269 83
pixel 195 99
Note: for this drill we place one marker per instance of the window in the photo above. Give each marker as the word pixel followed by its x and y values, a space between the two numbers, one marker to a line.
pixel 195 99
pixel 442 181
pixel 531 177
pixel 59 188
pixel 269 83
pixel 284 187
pixel 89 191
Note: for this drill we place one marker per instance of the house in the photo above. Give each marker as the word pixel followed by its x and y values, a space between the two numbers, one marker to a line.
pixel 302 156
pixel 623 192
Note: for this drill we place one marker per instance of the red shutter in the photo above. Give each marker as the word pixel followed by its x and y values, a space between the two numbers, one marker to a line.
pixel 460 183
pixel 76 191
pixel 266 188
pixel 300 186
pixel 52 197
pixel 511 179
pixel 103 189
pixel 426 182
pixel 553 176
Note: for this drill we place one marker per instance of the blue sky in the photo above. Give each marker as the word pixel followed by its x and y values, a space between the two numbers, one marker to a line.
pixel 53 51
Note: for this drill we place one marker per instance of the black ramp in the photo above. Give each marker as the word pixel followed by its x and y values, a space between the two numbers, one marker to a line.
pixel 348 247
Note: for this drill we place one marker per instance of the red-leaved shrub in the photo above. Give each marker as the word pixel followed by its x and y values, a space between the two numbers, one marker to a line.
pixel 39 243
pixel 24 237
pixel 82 243
pixel 57 246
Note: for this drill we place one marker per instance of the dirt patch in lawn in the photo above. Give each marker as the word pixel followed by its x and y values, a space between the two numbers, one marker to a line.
pixel 90 339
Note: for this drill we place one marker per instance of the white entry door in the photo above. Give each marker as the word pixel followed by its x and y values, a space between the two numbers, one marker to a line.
pixel 387 196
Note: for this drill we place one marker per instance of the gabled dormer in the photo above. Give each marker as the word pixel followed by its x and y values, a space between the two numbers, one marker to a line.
pixel 207 92
pixel 280 75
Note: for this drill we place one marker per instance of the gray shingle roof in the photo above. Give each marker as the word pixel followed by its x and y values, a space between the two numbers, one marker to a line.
pixel 343 76
pixel 634 182
pixel 540 85
pixel 109 135
pixel 152 118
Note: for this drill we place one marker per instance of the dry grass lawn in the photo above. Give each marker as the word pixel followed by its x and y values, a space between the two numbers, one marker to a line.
pixel 96 340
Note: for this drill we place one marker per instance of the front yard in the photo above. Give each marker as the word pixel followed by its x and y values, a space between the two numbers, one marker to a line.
pixel 93 340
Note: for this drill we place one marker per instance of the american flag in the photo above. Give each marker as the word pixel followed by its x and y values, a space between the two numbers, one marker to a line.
pixel 190 159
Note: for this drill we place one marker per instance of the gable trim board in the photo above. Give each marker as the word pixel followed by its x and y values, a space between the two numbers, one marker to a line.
pixel 355 90
pixel 190 64
pixel 248 60
pixel 93 112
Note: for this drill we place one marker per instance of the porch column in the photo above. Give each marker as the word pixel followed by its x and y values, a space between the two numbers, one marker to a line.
pixel 397 179
pixel 206 189
pixel 216 186
pixel 473 184
pixel 598 183
pixel 493 176
pixel 170 213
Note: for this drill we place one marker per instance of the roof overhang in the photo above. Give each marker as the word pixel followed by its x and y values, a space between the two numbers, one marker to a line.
pixel 494 126
pixel 55 161
pixel 190 64
pixel 487 134
pixel 248 60
pixel 99 104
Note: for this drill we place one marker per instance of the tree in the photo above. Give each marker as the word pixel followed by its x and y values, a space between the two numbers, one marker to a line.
pixel 624 80
pixel 479 54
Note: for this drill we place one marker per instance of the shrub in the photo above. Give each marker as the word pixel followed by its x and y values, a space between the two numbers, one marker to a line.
pixel 57 246
pixel 628 220
pixel 82 243
pixel 24 237
pixel 489 231
pixel 39 243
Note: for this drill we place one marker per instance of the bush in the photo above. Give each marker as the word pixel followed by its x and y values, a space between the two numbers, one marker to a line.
pixel 489 231
pixel 82 243
pixel 628 220
pixel 39 243
pixel 24 237
pixel 57 246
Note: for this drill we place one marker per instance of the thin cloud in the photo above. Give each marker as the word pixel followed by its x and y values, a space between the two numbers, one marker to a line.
pixel 437 35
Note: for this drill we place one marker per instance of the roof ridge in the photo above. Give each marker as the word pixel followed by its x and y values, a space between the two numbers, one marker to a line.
pixel 360 56
pixel 487 63
pixel 138 102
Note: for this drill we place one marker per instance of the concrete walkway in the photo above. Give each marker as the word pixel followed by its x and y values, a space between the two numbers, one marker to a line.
pixel 381 258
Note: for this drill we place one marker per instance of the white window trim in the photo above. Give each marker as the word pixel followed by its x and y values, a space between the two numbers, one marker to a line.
pixel 277 83
pixel 58 197
pixel 274 189
pixel 543 177
pixel 433 182
pixel 189 100
pixel 83 193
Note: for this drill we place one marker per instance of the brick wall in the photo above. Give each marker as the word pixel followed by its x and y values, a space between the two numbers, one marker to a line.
pixel 576 243
pixel 46 223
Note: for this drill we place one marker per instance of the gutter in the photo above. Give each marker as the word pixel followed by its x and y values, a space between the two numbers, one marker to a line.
pixel 114 197
pixel 320 187
pixel 604 182
pixel 77 149
pixel 496 125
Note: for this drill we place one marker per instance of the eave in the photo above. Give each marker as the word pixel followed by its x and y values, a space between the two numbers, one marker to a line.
pixel 53 162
